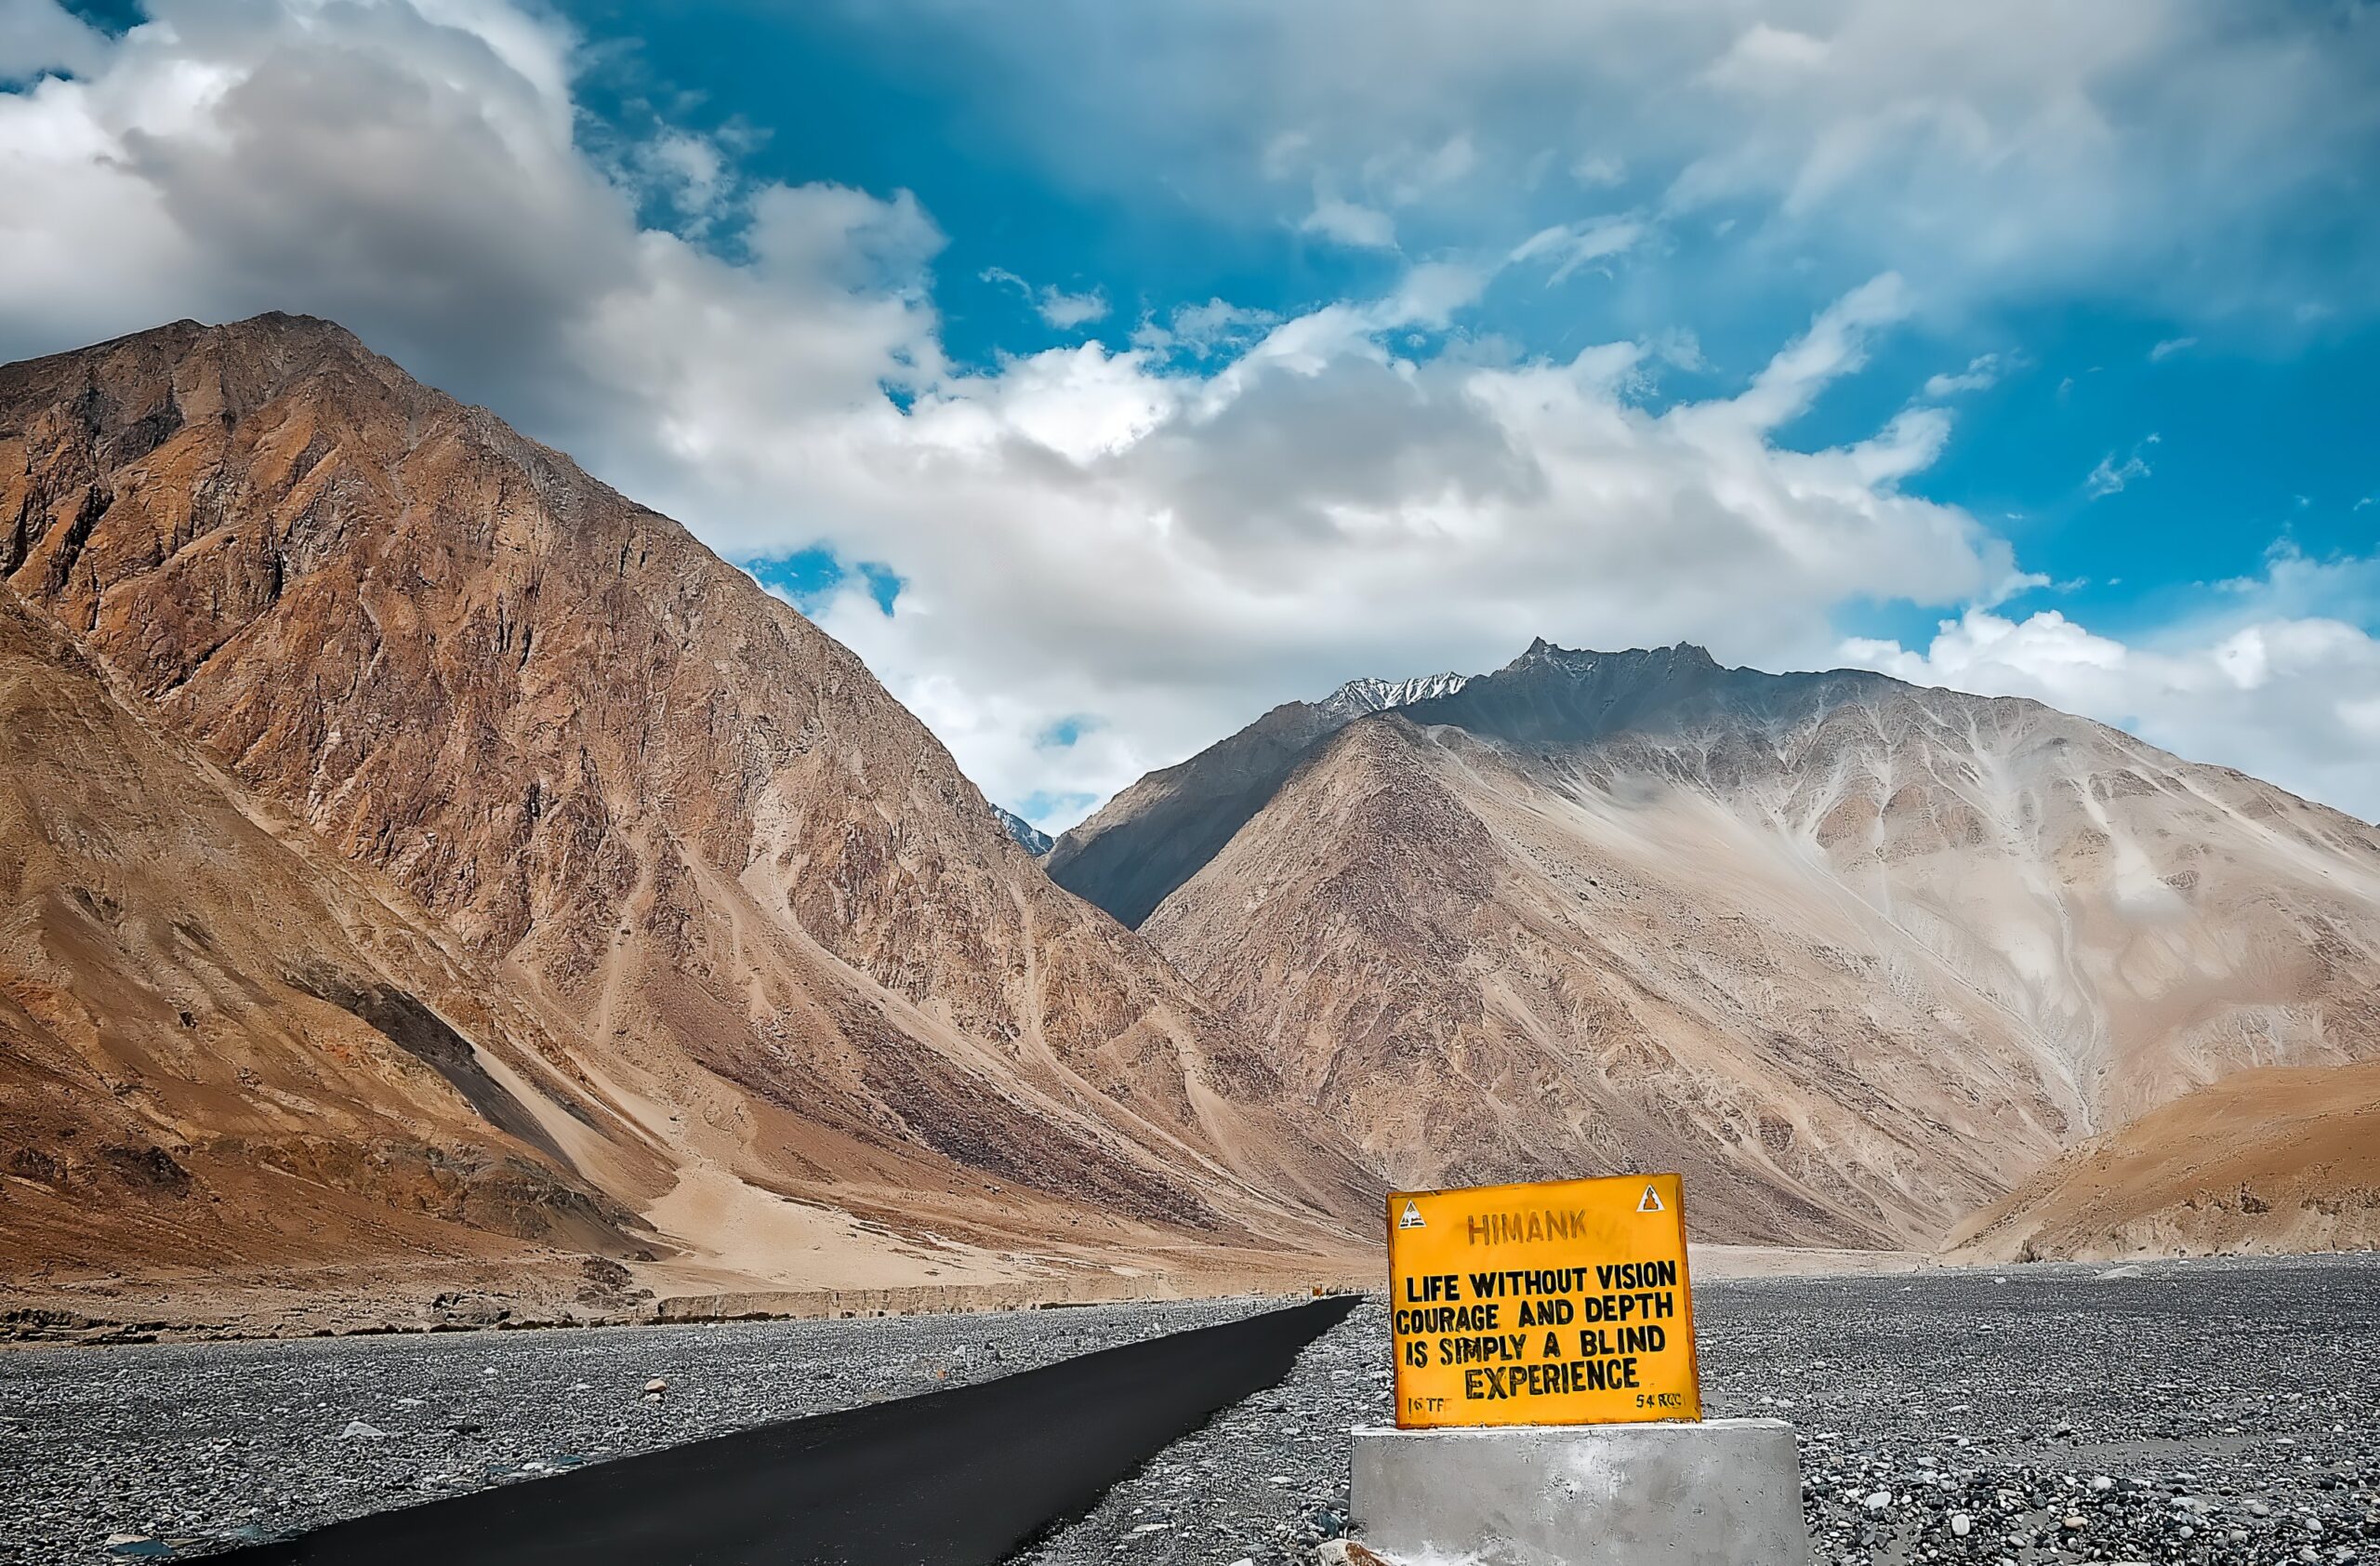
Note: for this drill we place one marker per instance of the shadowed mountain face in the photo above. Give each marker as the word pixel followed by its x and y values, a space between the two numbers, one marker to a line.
pixel 1154 836
pixel 771 929
pixel 1856 955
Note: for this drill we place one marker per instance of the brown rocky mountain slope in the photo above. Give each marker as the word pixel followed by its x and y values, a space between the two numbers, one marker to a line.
pixel 798 953
pixel 2282 1158
pixel 219 1045
pixel 1858 955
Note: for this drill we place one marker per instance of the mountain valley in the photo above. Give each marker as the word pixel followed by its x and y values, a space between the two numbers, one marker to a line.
pixel 1862 954
pixel 812 1018
pixel 426 866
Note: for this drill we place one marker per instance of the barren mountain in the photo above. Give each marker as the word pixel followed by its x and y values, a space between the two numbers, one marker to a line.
pixel 219 1045
pixel 1857 955
pixel 2282 1158
pixel 801 955
pixel 1151 838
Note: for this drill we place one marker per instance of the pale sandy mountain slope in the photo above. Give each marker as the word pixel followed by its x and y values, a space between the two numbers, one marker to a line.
pixel 2281 1158
pixel 803 955
pixel 1857 955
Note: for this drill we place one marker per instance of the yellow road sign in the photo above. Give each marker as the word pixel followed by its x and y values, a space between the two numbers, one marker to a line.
pixel 1560 1303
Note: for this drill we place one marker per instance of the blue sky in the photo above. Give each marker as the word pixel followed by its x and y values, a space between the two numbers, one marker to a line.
pixel 2265 424
pixel 1106 374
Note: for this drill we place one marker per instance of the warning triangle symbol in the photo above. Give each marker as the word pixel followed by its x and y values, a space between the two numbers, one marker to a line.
pixel 1651 1202
pixel 1410 1217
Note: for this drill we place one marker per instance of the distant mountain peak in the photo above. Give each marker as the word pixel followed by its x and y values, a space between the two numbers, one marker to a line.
pixel 1030 837
pixel 1678 655
pixel 1359 698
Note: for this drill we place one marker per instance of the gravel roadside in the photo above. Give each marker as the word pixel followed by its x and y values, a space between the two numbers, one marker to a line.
pixel 173 1449
pixel 2218 1412
pixel 2211 1412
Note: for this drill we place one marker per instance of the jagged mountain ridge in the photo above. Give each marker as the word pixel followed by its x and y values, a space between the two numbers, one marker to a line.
pixel 1148 839
pixel 1021 832
pixel 803 954
pixel 2015 795
pixel 1860 954
pixel 1358 697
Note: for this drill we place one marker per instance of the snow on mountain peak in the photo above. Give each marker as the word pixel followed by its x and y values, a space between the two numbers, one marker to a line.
pixel 1357 697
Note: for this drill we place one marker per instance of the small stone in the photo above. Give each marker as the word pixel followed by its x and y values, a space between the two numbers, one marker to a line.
pixel 656 1385
pixel 1344 1552
pixel 1961 1523
pixel 1878 1500
pixel 357 1429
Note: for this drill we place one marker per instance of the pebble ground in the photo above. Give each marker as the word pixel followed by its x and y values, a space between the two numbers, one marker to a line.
pixel 169 1451
pixel 2201 1413
pixel 2225 1413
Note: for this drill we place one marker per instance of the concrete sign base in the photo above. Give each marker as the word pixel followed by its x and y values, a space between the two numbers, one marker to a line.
pixel 1721 1493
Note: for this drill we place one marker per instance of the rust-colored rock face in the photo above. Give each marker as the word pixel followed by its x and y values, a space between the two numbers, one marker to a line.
pixel 219 1046
pixel 760 910
pixel 1855 955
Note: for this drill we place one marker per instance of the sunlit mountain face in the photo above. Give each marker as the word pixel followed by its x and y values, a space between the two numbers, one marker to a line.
pixel 1095 631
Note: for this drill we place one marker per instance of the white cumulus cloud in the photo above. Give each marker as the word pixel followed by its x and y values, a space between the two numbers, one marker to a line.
pixel 1335 218
pixel 1053 304
pixel 2279 680
pixel 1137 547
pixel 2036 147
pixel 1982 372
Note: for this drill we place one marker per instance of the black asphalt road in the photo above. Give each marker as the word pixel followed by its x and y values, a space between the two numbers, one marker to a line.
pixel 957 1476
